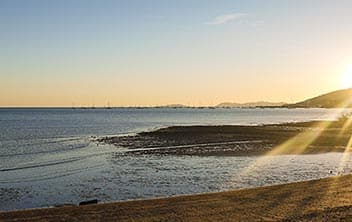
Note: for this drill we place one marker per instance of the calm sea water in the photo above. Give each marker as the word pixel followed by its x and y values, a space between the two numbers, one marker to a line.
pixel 47 156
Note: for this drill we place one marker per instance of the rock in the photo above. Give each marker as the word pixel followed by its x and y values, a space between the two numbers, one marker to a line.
pixel 87 202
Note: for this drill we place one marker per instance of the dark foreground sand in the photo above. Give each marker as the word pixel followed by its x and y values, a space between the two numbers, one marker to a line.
pixel 318 200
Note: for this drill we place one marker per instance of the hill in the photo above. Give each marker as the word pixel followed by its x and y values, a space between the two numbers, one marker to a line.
pixel 336 99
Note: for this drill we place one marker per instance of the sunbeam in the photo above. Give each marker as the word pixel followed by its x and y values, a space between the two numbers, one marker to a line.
pixel 301 143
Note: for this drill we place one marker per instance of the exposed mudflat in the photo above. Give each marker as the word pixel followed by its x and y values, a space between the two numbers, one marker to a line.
pixel 329 136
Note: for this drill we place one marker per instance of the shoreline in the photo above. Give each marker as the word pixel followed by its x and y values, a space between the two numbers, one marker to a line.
pixel 325 199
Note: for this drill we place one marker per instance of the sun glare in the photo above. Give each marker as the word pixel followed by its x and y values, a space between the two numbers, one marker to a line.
pixel 347 77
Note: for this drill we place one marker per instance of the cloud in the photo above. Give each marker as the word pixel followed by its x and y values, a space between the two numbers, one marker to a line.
pixel 222 19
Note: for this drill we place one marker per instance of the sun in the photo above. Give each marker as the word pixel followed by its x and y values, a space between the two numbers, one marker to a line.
pixel 346 80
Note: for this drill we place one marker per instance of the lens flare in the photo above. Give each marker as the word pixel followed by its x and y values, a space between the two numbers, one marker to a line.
pixel 301 143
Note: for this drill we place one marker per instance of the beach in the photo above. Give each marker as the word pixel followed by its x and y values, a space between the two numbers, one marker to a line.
pixel 317 200
pixel 175 110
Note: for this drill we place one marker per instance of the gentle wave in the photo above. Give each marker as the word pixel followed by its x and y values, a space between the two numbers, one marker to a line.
pixel 45 152
pixel 53 163
pixel 48 176
pixel 42 146
pixel 38 165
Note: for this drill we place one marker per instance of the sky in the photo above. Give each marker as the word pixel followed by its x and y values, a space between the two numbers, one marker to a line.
pixel 156 52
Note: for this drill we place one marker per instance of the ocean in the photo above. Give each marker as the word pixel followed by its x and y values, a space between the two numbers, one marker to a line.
pixel 48 156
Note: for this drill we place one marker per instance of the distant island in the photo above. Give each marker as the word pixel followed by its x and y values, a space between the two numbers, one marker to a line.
pixel 336 99
pixel 227 105
pixel 250 105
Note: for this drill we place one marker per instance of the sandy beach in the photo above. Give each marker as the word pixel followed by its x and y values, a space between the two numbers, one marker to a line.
pixel 175 111
pixel 318 200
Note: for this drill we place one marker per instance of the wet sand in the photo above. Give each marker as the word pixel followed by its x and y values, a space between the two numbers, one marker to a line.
pixel 318 200
pixel 329 136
